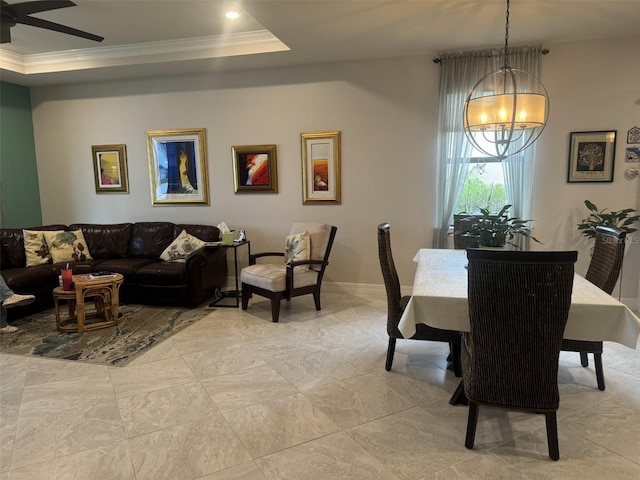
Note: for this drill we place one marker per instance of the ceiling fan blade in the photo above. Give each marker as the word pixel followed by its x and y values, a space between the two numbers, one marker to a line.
pixel 56 27
pixel 27 8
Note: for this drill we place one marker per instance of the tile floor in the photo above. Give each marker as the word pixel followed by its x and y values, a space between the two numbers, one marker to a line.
pixel 238 397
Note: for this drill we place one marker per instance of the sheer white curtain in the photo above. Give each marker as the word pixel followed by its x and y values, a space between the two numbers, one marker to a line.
pixel 519 169
pixel 459 72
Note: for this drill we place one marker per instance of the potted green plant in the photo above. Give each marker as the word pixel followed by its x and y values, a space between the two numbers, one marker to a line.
pixel 621 219
pixel 498 229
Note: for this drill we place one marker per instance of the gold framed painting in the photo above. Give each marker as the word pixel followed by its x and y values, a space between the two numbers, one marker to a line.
pixel 321 181
pixel 255 169
pixel 110 168
pixel 178 166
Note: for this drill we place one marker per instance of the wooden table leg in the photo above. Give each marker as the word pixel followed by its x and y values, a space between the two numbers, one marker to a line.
pixel 80 310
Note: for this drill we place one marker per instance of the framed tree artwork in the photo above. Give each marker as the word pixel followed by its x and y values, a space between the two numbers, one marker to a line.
pixel 591 156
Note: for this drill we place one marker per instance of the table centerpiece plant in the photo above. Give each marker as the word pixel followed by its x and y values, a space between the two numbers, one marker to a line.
pixel 499 230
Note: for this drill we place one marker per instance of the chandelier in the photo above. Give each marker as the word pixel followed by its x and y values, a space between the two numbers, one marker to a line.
pixel 506 110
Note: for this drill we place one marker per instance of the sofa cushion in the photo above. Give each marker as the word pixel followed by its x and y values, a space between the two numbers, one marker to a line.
pixel 106 241
pixel 67 246
pixel 181 248
pixel 35 248
pixel 22 280
pixel 126 266
pixel 149 239
pixel 161 274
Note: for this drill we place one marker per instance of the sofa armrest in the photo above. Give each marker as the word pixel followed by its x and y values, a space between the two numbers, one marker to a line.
pixel 206 271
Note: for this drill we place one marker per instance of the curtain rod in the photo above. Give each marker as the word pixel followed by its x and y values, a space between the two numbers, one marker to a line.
pixel 489 55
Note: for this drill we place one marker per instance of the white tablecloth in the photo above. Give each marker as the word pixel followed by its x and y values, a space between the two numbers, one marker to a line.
pixel 439 299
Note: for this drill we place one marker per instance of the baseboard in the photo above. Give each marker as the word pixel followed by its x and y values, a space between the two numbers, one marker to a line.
pixel 361 288
pixel 353 288
pixel 378 290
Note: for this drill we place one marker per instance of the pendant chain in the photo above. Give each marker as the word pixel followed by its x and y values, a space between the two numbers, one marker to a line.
pixel 506 37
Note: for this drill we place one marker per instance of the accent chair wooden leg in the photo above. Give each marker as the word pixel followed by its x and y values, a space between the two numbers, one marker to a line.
pixel 472 423
pixel 597 360
pixel 245 296
pixel 316 299
pixel 584 359
pixel 390 351
pixel 552 435
pixel 275 309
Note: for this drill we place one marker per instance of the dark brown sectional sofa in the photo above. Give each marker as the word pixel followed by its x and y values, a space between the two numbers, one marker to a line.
pixel 132 249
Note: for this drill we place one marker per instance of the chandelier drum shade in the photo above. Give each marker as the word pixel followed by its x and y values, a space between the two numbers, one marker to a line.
pixel 506 110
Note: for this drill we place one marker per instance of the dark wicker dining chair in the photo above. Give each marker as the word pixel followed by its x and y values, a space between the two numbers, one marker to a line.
pixel 603 272
pixel 396 304
pixel 518 308
pixel 462 225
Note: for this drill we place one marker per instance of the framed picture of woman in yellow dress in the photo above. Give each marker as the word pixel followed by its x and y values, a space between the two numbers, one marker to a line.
pixel 178 166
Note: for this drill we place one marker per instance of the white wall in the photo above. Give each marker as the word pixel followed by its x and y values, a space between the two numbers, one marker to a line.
pixel 592 86
pixel 386 111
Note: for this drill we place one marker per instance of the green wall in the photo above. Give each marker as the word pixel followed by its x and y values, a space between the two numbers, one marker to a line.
pixel 19 191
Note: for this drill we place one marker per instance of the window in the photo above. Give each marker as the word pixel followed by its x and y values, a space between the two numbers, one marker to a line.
pixel 484 184
pixel 483 187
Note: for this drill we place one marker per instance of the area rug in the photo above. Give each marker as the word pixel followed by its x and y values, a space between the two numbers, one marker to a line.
pixel 141 328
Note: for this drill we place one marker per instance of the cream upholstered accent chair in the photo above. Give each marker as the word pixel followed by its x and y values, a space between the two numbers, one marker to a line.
pixel 306 255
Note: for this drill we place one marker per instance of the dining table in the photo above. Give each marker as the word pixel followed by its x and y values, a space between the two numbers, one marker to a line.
pixel 439 299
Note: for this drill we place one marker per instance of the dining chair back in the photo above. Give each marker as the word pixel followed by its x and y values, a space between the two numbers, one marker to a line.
pixel 463 224
pixel 396 304
pixel 604 270
pixel 518 308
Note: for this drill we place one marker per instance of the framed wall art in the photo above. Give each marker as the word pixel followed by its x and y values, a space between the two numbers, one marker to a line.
pixel 320 167
pixel 255 169
pixel 632 154
pixel 591 156
pixel 110 168
pixel 633 135
pixel 178 166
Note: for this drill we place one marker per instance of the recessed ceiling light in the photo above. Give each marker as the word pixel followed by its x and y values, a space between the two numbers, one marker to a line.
pixel 232 14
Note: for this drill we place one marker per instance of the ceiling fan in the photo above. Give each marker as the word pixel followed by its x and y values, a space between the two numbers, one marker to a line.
pixel 10 15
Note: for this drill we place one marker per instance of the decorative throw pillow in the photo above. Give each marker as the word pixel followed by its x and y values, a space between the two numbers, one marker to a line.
pixel 67 246
pixel 181 247
pixel 35 248
pixel 298 247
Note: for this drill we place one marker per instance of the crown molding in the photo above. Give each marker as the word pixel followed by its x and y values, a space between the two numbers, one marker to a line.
pixel 216 46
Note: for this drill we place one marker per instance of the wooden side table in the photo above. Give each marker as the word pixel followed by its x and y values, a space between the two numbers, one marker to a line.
pixel 103 290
